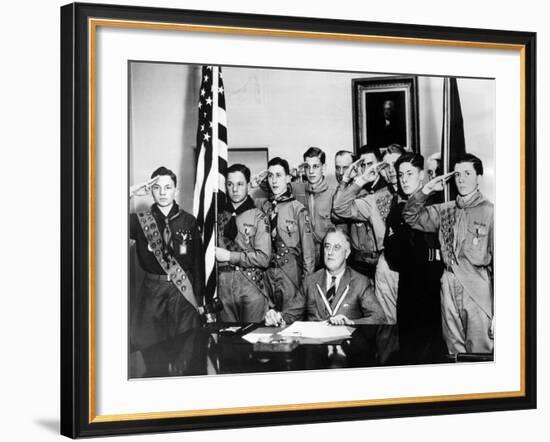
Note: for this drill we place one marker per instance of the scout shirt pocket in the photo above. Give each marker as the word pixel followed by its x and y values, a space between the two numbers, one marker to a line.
pixel 247 232
pixel 476 243
pixel 290 230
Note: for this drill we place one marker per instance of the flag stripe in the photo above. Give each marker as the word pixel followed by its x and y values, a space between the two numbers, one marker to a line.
pixel 211 166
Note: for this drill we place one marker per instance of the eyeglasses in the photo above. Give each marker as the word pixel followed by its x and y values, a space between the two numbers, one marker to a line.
pixel 335 247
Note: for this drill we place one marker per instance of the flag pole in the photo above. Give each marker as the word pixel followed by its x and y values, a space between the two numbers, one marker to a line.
pixel 446 138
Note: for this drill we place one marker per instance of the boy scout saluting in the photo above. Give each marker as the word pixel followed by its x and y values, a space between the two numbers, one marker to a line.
pixel 364 198
pixel 293 250
pixel 244 253
pixel 336 292
pixel 318 198
pixel 416 257
pixel 169 250
pixel 465 229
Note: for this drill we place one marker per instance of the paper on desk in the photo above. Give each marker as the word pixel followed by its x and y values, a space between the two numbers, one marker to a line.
pixel 259 333
pixel 317 330
pixel 254 337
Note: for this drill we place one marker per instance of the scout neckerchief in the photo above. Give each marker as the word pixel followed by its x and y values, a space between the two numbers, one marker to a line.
pixel 230 230
pixel 311 191
pixel 460 227
pixel 150 228
pixel 273 217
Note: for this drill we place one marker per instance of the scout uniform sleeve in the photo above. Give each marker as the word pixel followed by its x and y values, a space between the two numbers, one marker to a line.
pixel 370 307
pixel 347 206
pixel 306 240
pixel 420 217
pixel 198 260
pixel 260 255
pixel 311 313
pixel 296 308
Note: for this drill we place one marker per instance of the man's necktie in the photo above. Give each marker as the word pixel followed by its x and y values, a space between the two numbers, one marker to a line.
pixel 331 290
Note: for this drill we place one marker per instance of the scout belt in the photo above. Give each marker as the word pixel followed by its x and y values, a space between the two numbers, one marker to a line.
pixel 254 275
pixel 171 267
pixel 368 257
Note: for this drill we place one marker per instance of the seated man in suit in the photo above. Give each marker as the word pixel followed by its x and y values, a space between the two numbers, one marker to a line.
pixel 337 292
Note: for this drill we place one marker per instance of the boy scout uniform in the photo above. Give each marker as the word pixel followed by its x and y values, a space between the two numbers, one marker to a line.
pixel 367 210
pixel 354 298
pixel 241 281
pixel 416 256
pixel 293 251
pixel 465 230
pixel 169 250
pixel 319 204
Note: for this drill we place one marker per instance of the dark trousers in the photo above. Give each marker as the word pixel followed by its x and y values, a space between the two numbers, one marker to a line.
pixel 419 315
pixel 161 312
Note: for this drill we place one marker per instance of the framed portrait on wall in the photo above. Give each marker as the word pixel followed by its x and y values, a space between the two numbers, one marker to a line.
pixel 386 112
pixel 147 163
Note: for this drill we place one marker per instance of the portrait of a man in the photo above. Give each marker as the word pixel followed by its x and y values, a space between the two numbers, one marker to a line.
pixel 386 112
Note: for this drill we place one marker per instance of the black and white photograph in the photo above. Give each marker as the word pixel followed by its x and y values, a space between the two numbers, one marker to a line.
pixel 290 220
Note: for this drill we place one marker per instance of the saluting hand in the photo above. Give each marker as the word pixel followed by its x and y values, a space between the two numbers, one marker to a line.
pixel 257 179
pixel 144 188
pixel 437 183
pixel 370 174
pixel 352 171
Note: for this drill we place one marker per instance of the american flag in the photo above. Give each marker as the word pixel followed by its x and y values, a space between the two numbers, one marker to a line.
pixel 211 166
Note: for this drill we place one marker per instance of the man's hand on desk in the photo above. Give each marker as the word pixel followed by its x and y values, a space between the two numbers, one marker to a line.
pixel 340 320
pixel 274 318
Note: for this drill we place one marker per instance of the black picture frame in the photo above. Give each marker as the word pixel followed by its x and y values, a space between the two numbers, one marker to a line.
pixel 370 127
pixel 78 418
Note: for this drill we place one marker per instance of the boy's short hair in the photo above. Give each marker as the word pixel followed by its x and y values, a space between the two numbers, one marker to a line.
pixel 278 161
pixel 163 171
pixel 363 150
pixel 469 158
pixel 237 167
pixel 315 152
pixel 415 159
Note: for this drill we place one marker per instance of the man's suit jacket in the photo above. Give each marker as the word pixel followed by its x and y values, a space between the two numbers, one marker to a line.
pixel 359 303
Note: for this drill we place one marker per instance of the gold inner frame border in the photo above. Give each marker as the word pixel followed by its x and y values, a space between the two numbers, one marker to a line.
pixel 93 24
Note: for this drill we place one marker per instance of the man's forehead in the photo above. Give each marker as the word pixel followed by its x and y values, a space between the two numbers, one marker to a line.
pixel 276 168
pixel 344 159
pixel 313 160
pixel 335 238
pixel 163 180
pixel 235 176
pixel 464 166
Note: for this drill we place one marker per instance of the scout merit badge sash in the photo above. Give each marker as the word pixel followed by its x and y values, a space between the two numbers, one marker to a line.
pixel 167 262
pixel 325 300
